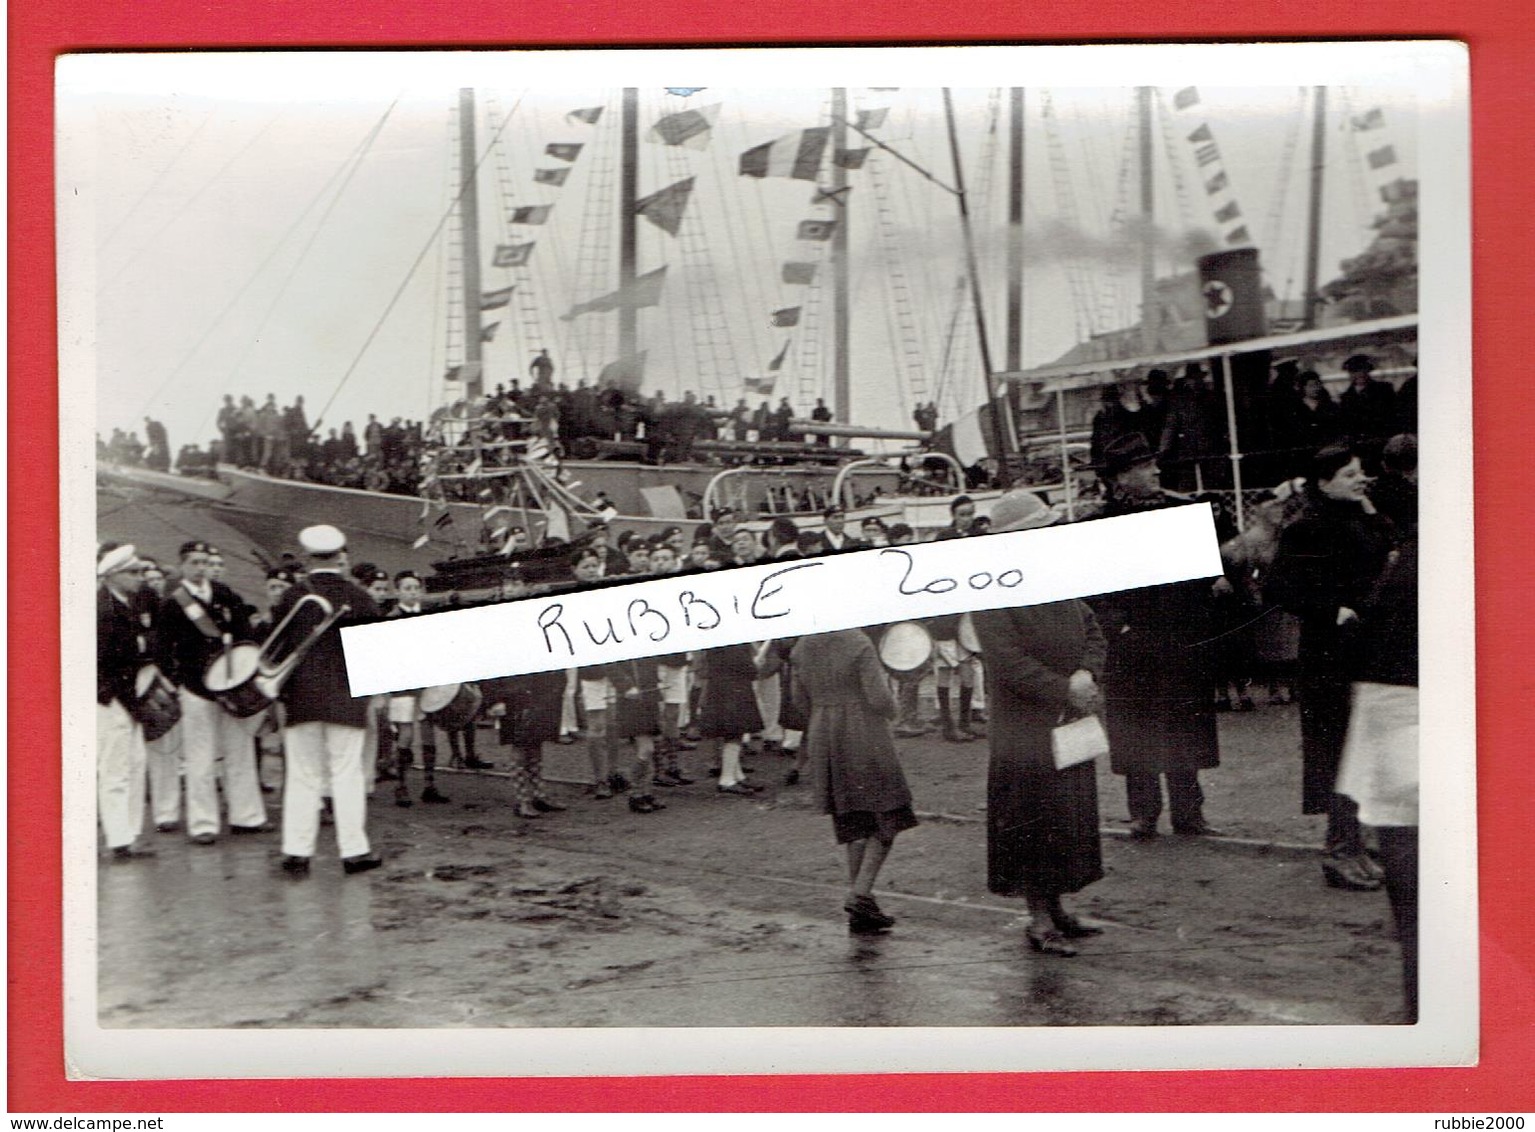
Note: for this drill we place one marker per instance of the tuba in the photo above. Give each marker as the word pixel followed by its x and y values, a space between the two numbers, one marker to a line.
pixel 292 639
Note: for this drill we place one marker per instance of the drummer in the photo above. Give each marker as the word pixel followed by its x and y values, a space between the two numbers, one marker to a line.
pixel 122 648
pixel 198 621
pixel 405 711
pixel 324 723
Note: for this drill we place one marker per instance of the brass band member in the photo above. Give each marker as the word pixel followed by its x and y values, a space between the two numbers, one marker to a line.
pixel 325 725
pixel 199 620
pixel 122 648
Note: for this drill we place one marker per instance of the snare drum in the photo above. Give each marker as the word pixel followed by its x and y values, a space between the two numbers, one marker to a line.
pixel 451 706
pixel 231 679
pixel 906 646
pixel 155 703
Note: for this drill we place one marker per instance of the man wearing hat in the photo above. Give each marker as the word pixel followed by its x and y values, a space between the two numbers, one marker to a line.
pixel 1158 679
pixel 122 648
pixel 1190 451
pixel 1367 409
pixel 326 726
pixel 198 621
pixel 834 536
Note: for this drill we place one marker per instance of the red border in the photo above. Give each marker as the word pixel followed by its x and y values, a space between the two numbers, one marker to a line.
pixel 1501 35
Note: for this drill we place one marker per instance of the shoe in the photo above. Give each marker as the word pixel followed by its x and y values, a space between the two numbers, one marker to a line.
pixel 1371 866
pixel 678 778
pixel 602 790
pixel 966 735
pixel 684 745
pixel 203 839
pixel 977 715
pixel 264 827
pixel 859 925
pixel 1143 829
pixel 544 805
pixel 662 780
pixel 456 762
pixel 618 782
pixel 792 778
pixel 1348 873
pixel 478 764
pixel 526 810
pixel 361 864
pixel 385 775
pixel 432 796
pixel 1050 942
pixel 295 866
pixel 736 788
pixel 132 852
pixel 1073 928
pixel 910 732
pixel 864 910
pixel 644 804
pixel 566 740
pixel 1200 828
pixel 402 799
pixel 168 827
pixel 713 771
pixel 953 735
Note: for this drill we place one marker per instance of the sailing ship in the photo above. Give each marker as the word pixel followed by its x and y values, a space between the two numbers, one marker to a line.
pixel 1029 423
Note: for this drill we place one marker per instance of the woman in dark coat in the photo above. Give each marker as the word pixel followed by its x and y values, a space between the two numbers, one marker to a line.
pixel 529 708
pixel 1042 668
pixel 852 759
pixel 637 716
pixel 1329 560
pixel 727 709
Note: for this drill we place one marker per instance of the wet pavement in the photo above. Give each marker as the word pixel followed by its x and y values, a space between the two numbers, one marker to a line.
pixel 723 911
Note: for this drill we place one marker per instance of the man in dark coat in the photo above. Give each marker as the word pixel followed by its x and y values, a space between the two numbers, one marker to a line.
pixel 1160 716
pixel 325 725
pixel 197 623
pixel 1367 410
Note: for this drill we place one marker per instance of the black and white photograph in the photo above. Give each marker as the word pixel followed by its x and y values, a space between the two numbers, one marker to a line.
pixel 354 337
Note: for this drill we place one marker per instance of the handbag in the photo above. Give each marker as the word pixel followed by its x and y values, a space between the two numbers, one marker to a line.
pixel 1079 741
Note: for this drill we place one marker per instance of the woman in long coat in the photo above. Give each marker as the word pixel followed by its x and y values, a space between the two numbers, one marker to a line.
pixel 1042 667
pixel 1329 560
pixel 853 766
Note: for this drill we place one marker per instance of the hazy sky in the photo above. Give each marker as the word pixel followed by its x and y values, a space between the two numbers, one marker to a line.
pixel 257 218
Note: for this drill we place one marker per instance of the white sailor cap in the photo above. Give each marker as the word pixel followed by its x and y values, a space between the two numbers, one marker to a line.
pixel 118 558
pixel 323 539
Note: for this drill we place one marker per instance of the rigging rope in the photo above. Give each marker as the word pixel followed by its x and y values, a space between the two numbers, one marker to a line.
pixel 354 158
pixel 1274 223
pixel 155 183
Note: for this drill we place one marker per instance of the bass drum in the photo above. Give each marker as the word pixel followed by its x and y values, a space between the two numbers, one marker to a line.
pixel 906 646
pixel 231 678
pixel 450 706
pixel 155 703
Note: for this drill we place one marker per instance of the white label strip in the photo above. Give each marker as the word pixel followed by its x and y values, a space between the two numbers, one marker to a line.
pixel 684 612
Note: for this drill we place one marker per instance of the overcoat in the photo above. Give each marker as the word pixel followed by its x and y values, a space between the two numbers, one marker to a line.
pixel 1041 823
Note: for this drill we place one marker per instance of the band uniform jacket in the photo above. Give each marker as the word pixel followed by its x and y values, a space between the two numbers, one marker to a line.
pixel 317 691
pixel 184 650
pixel 122 648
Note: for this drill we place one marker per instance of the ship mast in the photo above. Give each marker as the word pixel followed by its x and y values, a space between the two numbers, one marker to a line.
pixel 1314 215
pixel 1149 337
pixel 1015 231
pixel 628 191
pixel 469 221
pixel 841 383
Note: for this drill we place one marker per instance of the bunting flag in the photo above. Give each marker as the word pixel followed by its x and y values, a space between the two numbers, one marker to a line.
pixel 664 209
pixel 796 155
pixel 799 274
pixel 762 385
pixel 1217 182
pixel 556 522
pixel 777 363
pixel 563 151
pixel 550 176
pixel 494 300
pixel 851 158
pixel 787 316
pixel 1188 96
pixel 686 127
pixel 872 119
pixel 1372 119
pixel 531 214
pixel 420 542
pixel 684 91
pixel 453 373
pixel 816 229
pixel 1380 158
pixel 830 196
pixel 511 255
pixel 589 115
pixel 487 333
pixel 645 291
